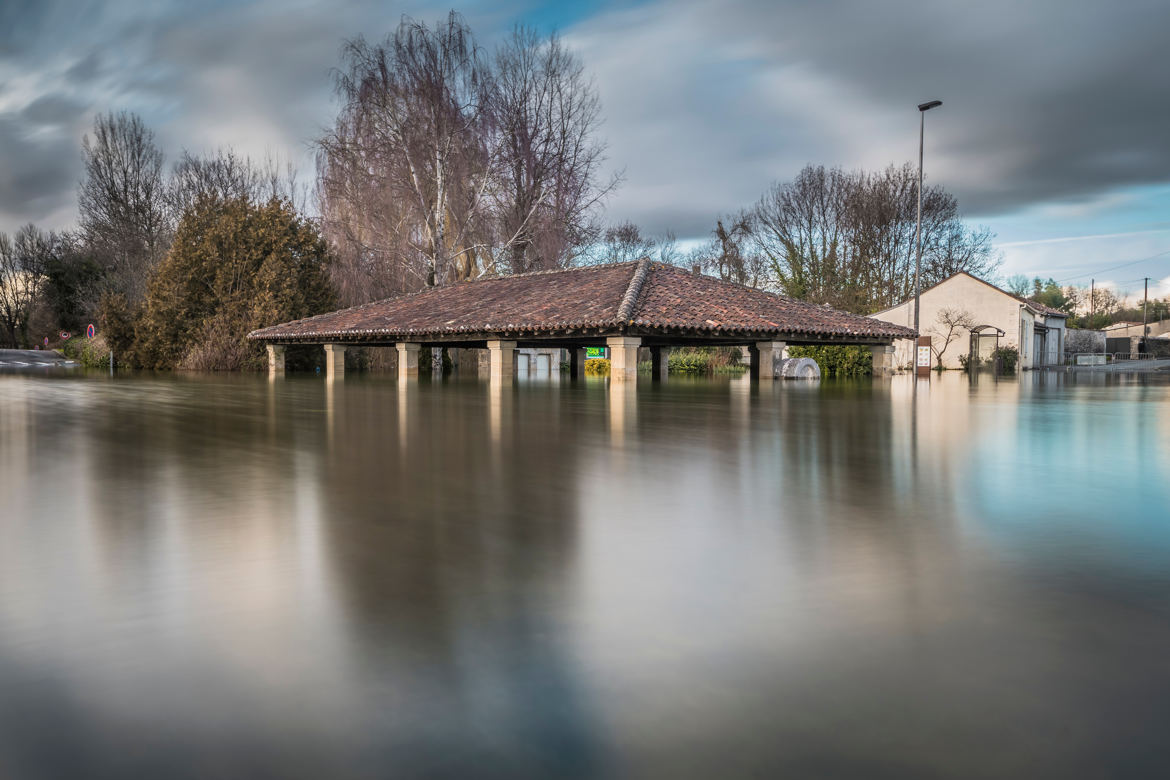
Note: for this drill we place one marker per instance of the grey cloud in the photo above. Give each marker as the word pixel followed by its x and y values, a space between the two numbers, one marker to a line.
pixel 705 104
pixel 86 68
pixel 1062 98
pixel 53 109
pixel 1051 100
pixel 39 174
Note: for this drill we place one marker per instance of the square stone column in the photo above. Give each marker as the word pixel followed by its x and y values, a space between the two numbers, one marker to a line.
pixel 623 357
pixel 576 362
pixel 407 359
pixel 275 359
pixel 334 361
pixel 883 359
pixel 502 360
pixel 764 355
pixel 659 363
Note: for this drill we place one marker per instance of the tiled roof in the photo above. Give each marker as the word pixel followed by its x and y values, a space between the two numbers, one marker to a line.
pixel 1040 308
pixel 634 297
pixel 675 298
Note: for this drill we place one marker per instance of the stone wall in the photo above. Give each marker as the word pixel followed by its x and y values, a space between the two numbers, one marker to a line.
pixel 1080 340
pixel 1158 347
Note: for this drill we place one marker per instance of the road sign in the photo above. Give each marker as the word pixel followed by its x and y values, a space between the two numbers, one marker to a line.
pixel 89 331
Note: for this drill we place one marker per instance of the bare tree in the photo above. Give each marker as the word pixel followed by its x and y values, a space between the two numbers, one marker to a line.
pixel 410 143
pixel 443 165
pixel 23 260
pixel 1019 285
pixel 546 114
pixel 798 225
pixel 124 214
pixel 949 325
pixel 847 239
pixel 620 244
pixel 227 175
pixel 667 250
pixel 732 255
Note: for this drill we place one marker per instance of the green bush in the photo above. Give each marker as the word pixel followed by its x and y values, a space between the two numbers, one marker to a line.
pixel 688 361
pixel 838 360
pixel 597 367
pixel 91 353
pixel 1009 357
pixel 234 266
pixel 705 360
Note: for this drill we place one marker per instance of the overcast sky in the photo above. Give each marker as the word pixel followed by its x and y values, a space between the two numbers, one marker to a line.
pixel 1055 128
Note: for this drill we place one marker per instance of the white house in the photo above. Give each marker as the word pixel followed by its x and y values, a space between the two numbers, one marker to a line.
pixel 989 317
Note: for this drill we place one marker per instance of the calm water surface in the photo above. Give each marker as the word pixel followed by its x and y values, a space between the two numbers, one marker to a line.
pixel 222 577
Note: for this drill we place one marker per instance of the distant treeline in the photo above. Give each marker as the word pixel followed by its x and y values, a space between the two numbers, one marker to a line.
pixel 1090 307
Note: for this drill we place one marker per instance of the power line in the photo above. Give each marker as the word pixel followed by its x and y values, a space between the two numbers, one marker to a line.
pixel 1114 267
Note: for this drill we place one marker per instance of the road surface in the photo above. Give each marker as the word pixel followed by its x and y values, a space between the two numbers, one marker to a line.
pixel 28 358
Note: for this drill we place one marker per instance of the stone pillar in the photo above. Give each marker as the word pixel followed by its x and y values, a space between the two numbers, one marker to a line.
pixel 659 363
pixel 334 361
pixel 623 357
pixel 502 356
pixel 883 359
pixel 763 359
pixel 576 362
pixel 275 359
pixel 407 360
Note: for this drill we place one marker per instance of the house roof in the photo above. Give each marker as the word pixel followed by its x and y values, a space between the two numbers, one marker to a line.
pixel 640 297
pixel 1035 306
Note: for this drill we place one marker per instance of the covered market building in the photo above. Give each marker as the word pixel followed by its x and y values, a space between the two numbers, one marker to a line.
pixel 621 306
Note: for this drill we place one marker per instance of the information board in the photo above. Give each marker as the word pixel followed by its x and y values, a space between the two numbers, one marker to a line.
pixel 922 357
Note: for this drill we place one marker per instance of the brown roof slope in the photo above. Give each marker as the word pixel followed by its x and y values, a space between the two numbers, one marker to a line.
pixel 557 300
pixel 624 297
pixel 675 298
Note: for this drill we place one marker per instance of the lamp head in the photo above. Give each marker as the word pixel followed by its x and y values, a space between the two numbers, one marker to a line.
pixel 929 105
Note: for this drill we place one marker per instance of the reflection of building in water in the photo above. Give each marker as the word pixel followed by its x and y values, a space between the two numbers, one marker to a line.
pixel 452 556
pixel 749 542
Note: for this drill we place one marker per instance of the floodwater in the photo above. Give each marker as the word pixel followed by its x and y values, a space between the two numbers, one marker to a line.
pixel 223 577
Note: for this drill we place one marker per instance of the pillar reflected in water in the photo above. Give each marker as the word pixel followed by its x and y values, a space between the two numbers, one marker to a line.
pixel 407 398
pixel 500 400
pixel 622 409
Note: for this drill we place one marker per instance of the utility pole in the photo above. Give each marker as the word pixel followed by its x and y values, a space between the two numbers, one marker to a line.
pixel 1092 300
pixel 1145 308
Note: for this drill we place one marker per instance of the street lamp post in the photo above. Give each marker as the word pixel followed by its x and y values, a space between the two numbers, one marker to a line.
pixel 922 109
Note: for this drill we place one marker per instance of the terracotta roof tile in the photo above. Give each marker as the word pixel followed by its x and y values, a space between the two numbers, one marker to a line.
pixel 673 297
pixel 625 297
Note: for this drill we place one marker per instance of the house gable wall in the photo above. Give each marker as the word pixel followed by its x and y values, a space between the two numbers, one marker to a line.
pixel 986 304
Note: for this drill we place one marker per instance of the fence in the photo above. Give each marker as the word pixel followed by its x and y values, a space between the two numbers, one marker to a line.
pixel 1105 359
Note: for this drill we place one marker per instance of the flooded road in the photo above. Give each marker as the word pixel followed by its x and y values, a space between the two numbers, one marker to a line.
pixel 205 576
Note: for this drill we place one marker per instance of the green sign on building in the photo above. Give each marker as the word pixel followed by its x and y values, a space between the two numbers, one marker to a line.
pixel 594 353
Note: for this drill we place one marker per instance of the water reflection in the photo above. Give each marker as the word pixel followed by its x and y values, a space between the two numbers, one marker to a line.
pixel 692 578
